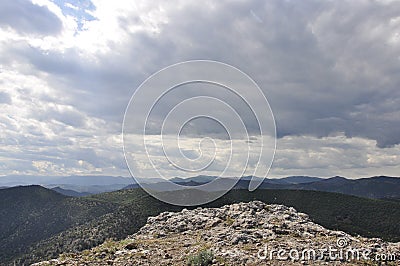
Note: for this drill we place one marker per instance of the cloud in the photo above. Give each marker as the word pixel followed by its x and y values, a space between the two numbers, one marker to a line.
pixel 28 18
pixel 295 155
pixel 328 68
pixel 336 155
pixel 5 98
pixel 316 72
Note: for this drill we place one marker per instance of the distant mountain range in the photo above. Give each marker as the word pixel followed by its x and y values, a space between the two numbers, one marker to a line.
pixel 371 187
pixel 69 192
pixel 377 187
pixel 17 180
pixel 219 183
pixel 80 184
pixel 201 179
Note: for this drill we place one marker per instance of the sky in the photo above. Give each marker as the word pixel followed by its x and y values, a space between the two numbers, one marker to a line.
pixel 329 69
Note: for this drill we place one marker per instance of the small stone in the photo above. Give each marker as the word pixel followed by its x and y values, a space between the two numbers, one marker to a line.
pixel 131 246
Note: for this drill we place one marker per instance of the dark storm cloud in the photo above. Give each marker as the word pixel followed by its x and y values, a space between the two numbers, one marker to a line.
pixel 101 90
pixel 28 18
pixel 317 62
pixel 327 67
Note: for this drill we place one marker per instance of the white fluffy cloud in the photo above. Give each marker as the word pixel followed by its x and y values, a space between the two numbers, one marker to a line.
pixel 329 69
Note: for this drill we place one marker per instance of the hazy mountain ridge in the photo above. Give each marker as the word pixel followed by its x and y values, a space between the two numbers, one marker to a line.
pixel 15 180
pixel 70 192
pixel 370 187
pixel 373 187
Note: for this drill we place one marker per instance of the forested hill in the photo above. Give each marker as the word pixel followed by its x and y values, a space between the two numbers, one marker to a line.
pixel 38 223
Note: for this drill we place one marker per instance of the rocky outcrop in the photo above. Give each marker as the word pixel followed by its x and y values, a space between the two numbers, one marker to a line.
pixel 251 233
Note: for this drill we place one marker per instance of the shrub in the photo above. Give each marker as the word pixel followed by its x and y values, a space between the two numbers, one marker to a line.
pixel 203 258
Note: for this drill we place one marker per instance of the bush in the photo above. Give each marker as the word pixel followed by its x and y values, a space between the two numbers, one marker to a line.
pixel 203 258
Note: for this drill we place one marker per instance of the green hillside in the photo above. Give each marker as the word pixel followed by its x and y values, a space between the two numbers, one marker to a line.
pixel 33 213
pixel 58 224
